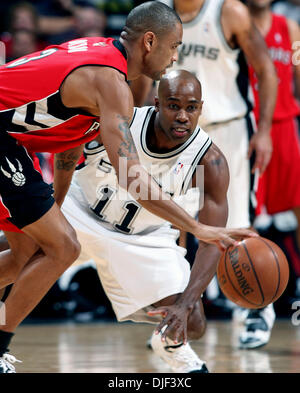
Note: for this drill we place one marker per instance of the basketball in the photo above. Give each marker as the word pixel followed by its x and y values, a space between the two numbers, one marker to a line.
pixel 253 274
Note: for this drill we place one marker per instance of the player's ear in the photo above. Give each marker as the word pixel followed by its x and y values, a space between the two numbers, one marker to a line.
pixel 201 106
pixel 150 41
pixel 156 104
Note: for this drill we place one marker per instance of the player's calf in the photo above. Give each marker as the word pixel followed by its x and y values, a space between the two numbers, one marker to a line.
pixel 196 323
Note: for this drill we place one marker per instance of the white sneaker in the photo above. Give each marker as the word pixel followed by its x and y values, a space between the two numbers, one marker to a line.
pixel 5 364
pixel 257 328
pixel 181 358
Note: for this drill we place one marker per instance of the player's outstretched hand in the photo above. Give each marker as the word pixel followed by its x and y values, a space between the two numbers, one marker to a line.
pixel 223 237
pixel 175 319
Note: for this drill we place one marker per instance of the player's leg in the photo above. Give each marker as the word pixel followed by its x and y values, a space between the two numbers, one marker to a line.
pixel 32 209
pixel 3 243
pixel 160 270
pixel 12 260
pixel 181 358
pixel 60 248
pixel 57 239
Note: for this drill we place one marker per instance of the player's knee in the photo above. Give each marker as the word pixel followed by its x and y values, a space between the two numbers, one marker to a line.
pixel 66 250
pixel 71 250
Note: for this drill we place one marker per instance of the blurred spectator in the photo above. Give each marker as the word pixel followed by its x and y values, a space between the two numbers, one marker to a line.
pixel 22 27
pixel 22 43
pixel 89 22
pixel 288 8
pixel 56 21
pixel 23 16
pixel 116 12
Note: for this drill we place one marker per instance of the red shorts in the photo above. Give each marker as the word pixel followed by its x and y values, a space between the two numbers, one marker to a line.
pixel 279 186
pixel 5 224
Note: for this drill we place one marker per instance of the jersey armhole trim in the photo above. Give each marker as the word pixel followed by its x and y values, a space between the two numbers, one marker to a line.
pixel 194 164
pixel 221 31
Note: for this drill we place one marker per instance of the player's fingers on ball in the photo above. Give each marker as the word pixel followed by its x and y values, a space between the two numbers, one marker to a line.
pixel 229 241
pixel 221 246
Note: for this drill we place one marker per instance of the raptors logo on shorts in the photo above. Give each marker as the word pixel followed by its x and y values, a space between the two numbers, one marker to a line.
pixel 15 175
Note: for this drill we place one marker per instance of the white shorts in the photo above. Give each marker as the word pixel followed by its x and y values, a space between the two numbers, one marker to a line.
pixel 232 138
pixel 135 270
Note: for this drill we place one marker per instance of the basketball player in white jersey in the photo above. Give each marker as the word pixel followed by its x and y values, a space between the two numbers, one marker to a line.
pixel 218 36
pixel 142 269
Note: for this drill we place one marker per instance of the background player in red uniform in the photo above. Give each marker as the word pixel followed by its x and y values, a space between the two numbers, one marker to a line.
pixel 51 101
pixel 279 186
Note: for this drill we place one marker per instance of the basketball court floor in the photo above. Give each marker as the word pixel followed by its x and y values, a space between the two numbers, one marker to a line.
pixel 121 348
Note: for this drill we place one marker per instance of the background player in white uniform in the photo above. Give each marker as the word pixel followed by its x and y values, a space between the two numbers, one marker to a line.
pixel 218 36
pixel 139 263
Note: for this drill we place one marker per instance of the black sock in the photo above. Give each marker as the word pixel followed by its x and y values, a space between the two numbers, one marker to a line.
pixel 5 338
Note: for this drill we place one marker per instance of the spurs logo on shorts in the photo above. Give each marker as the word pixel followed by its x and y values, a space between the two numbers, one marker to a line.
pixel 16 175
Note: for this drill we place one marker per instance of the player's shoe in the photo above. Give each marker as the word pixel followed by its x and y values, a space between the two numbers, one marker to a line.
pixel 6 364
pixel 181 358
pixel 257 328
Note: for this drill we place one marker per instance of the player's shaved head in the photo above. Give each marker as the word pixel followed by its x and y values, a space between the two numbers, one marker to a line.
pixel 151 16
pixel 172 81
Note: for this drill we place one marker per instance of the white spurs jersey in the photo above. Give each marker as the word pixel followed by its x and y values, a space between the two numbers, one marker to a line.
pixel 96 186
pixel 221 70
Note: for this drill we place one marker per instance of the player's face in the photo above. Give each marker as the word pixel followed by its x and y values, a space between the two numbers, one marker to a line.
pixel 179 107
pixel 164 54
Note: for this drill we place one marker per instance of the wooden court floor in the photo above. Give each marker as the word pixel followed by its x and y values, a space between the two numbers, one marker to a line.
pixel 121 348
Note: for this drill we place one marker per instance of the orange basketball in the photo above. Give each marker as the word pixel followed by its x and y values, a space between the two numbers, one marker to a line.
pixel 253 274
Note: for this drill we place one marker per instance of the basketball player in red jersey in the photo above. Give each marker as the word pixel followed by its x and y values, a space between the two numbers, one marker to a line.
pixel 51 101
pixel 279 187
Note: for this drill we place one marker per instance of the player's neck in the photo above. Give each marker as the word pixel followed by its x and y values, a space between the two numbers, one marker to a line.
pixel 133 67
pixel 262 19
pixel 188 10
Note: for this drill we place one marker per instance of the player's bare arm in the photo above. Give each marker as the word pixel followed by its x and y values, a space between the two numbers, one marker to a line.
pixel 214 212
pixel 64 166
pixel 107 94
pixel 240 30
pixel 294 31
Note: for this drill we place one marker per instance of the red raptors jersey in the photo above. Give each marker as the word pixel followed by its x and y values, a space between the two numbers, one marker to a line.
pixel 31 109
pixel 280 49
